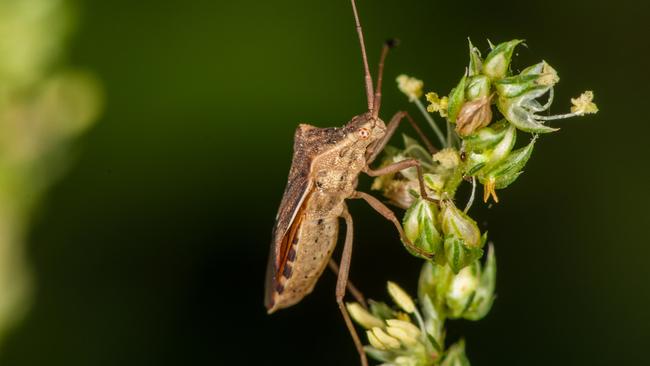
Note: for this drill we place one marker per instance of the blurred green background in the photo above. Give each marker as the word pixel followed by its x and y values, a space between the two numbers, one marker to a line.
pixel 152 249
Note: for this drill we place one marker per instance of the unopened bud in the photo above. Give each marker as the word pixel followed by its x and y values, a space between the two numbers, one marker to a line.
pixel 401 298
pixel 420 222
pixel 402 336
pixel 484 295
pixel 461 290
pixel 474 115
pixel 384 339
pixel 463 240
pixel 374 341
pixel 362 316
pixel 408 327
pixel 456 223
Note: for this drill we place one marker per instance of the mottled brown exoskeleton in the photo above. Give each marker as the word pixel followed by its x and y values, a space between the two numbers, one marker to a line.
pixel 324 173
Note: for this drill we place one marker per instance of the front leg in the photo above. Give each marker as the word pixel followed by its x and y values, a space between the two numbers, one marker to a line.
pixel 399 166
pixel 390 215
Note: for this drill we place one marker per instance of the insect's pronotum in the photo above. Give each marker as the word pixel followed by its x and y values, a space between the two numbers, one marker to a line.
pixel 324 173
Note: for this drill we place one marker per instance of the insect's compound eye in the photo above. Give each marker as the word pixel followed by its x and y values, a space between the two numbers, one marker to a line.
pixel 363 133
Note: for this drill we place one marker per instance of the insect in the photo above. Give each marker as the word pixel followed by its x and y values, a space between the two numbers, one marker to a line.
pixel 324 173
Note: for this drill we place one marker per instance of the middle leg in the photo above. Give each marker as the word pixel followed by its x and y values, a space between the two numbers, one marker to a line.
pixel 341 283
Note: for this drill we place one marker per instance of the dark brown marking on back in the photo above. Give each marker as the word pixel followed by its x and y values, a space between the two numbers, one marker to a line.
pixel 288 271
pixel 292 255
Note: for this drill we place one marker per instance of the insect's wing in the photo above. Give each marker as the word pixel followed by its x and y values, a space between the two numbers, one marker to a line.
pixel 299 185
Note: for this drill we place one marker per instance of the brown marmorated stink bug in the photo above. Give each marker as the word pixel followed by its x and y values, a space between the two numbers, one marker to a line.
pixel 324 173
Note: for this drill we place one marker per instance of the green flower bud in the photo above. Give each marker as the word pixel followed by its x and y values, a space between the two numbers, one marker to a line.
pixel 456 99
pixel 462 289
pixel 496 143
pixel 463 240
pixel 501 150
pixel 477 87
pixel 459 255
pixel 497 61
pixel 420 222
pixel 456 223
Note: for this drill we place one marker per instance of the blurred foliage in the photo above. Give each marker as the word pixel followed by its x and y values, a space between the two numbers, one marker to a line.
pixel 43 107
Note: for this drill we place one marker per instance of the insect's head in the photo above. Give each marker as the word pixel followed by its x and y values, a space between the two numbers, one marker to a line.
pixel 365 129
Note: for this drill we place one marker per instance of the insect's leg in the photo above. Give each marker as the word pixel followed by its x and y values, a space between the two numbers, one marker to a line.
pixel 390 215
pixel 399 166
pixel 390 131
pixel 358 295
pixel 342 281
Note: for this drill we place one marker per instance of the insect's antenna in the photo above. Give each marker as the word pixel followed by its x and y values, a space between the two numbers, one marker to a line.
pixel 369 88
pixel 380 75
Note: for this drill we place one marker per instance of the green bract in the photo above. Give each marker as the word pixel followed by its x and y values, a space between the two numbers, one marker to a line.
pixel 477 87
pixel 507 170
pixel 456 355
pixel 456 99
pixel 420 223
pixel 475 61
pixel 463 240
pixel 497 61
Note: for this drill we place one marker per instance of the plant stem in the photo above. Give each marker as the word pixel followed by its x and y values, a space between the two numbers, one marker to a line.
pixel 432 123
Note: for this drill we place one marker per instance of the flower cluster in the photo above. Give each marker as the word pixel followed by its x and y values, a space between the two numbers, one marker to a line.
pixel 410 336
pixel 484 114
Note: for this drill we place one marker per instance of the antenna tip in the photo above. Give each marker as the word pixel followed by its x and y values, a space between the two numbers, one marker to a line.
pixel 392 42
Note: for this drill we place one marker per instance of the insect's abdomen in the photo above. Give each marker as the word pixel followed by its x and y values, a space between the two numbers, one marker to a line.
pixel 307 258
